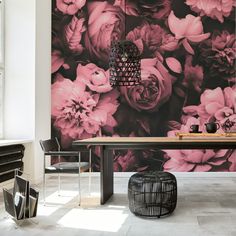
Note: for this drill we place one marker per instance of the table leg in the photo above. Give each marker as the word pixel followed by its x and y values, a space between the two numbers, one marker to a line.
pixel 106 174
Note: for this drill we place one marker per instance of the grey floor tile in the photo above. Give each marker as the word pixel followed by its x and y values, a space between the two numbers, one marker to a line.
pixel 206 207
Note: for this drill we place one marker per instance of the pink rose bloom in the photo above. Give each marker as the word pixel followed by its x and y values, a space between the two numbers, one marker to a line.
pixel 73 34
pixel 194 160
pixel 188 30
pixel 105 25
pixel 193 75
pixel 158 9
pixel 216 9
pixel 70 7
pixel 154 90
pixel 217 103
pixel 79 114
pixel 153 37
pixel 125 162
pixel 94 77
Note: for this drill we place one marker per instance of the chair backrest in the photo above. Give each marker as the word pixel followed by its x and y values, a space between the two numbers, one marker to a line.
pixel 50 145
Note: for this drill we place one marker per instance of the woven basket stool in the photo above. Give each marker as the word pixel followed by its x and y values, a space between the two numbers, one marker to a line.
pixel 152 194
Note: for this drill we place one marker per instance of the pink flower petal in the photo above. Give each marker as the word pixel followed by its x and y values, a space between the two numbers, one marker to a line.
pixel 230 97
pixel 139 44
pixel 217 162
pixel 187 46
pixel 195 157
pixel 198 38
pixel 208 155
pixel 213 107
pixel 221 153
pixel 174 64
pixel 174 24
pixel 57 60
pixel 191 110
pixel 213 95
pixel 95 9
pixel 223 112
pixel 194 26
pixel 173 153
pixel 202 168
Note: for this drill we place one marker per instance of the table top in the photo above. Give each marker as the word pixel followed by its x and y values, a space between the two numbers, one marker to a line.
pixel 222 142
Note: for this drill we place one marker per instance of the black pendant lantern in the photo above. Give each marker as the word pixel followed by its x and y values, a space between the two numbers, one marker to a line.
pixel 124 63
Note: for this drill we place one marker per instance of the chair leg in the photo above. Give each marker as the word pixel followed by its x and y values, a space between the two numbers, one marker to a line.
pixel 90 168
pixel 44 180
pixel 59 184
pixel 44 189
pixel 79 192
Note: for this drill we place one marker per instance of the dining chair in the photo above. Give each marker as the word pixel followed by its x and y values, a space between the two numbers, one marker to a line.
pixel 51 147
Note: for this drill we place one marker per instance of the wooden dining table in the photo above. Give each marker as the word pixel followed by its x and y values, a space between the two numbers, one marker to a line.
pixel 108 144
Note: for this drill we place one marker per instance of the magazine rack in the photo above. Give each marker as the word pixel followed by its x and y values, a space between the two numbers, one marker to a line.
pixel 21 201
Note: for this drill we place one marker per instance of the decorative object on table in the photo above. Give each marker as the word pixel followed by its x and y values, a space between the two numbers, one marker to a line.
pixel 152 194
pixel 212 127
pixel 124 62
pixel 21 202
pixel 228 125
pixel 194 129
pixel 205 135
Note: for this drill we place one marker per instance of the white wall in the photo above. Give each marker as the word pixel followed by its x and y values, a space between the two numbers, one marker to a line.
pixel 27 83
pixel 42 81
pixel 19 104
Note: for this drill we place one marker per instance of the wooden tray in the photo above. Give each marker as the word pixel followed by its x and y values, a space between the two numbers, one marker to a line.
pixel 207 135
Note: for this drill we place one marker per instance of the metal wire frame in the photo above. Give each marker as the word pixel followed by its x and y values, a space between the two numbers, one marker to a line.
pixel 61 153
pixel 152 194
pixel 125 64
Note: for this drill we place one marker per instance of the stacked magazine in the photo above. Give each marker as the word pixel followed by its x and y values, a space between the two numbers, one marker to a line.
pixel 21 202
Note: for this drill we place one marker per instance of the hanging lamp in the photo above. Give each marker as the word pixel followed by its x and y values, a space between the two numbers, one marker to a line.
pixel 124 63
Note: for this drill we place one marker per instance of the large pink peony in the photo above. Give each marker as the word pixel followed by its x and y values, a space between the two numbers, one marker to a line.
pixel 194 160
pixel 219 55
pixel 73 34
pixel 70 7
pixel 154 90
pixel 188 30
pixel 105 24
pixel 216 9
pixel 216 104
pixel 153 37
pixel 79 114
pixel 94 77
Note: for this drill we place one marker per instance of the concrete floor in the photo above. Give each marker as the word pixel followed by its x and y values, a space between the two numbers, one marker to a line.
pixel 206 206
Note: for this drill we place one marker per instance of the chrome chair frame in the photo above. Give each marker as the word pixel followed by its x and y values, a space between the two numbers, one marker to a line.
pixel 64 167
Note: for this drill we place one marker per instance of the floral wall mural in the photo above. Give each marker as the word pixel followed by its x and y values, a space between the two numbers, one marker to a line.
pixel 188 52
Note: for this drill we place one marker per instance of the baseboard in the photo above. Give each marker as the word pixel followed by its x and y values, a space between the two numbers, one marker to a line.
pixel 177 174
pixel 188 174
pixel 128 174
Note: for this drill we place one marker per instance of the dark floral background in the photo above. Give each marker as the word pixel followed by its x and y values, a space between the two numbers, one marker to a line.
pixel 188 53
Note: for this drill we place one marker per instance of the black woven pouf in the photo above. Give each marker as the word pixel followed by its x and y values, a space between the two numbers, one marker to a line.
pixel 152 194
